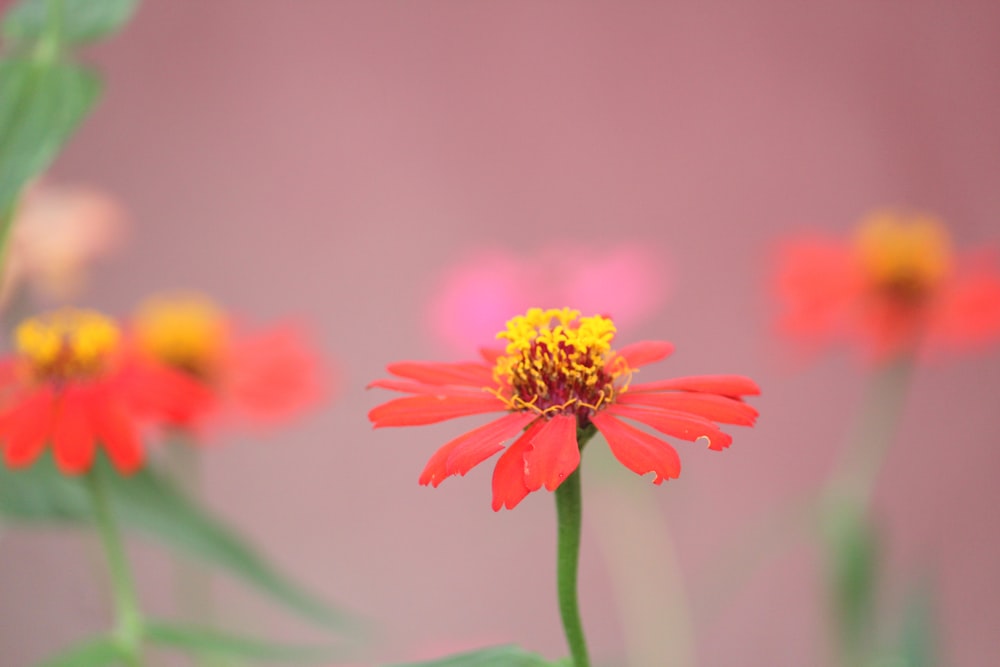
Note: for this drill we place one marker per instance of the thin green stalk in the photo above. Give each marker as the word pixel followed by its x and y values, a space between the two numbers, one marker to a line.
pixel 569 513
pixel 128 618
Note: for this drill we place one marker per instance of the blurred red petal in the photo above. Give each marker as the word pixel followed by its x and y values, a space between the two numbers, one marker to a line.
pixel 553 454
pixel 637 450
pixel 72 432
pixel 114 427
pixel 26 427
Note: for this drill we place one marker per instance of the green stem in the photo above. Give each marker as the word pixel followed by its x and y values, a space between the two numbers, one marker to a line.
pixel 569 513
pixel 128 619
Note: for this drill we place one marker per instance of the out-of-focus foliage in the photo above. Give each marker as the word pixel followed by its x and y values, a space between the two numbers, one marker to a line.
pixel 81 21
pixel 498 656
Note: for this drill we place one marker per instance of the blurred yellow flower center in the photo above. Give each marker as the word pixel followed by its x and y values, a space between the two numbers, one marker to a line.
pixel 67 343
pixel 187 333
pixel 558 362
pixel 906 256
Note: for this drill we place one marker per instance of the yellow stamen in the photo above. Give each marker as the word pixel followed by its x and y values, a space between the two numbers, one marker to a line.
pixel 909 253
pixel 187 332
pixel 558 362
pixel 67 343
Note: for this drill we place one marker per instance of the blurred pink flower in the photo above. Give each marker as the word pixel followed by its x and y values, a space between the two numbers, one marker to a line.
pixel 57 233
pixel 475 296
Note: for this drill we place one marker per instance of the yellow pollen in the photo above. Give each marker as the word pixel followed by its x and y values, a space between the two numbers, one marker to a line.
pixel 187 332
pixel 910 254
pixel 558 362
pixel 67 343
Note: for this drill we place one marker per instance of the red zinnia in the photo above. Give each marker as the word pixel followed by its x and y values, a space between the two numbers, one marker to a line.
pixel 559 374
pixel 895 284
pixel 70 385
pixel 263 376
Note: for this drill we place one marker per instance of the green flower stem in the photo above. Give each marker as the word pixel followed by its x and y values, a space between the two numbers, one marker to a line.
pixel 128 626
pixel 569 513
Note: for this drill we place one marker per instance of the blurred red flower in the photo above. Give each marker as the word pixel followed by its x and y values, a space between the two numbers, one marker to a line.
pixel 263 376
pixel 72 385
pixel 559 374
pixel 896 285
pixel 477 294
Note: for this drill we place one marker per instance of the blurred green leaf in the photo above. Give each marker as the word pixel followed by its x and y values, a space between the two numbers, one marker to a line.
pixel 99 652
pixel 853 548
pixel 496 656
pixel 81 20
pixel 43 102
pixel 148 504
pixel 205 641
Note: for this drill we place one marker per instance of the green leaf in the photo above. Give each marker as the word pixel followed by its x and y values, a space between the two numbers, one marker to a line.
pixel 98 652
pixel 82 20
pixel 496 656
pixel 205 641
pixel 43 102
pixel 148 504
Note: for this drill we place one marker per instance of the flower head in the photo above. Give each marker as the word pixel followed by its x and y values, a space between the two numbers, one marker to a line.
pixel 558 375
pixel 898 283
pixel 70 384
pixel 58 232
pixel 265 376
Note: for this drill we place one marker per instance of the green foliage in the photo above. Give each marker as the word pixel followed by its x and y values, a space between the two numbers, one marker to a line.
pixel 43 102
pixel 205 642
pixel 98 652
pixel 81 21
pixel 917 646
pixel 496 656
pixel 146 503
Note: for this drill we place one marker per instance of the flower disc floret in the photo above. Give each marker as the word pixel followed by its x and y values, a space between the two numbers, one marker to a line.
pixel 67 344
pixel 557 362
pixel 187 332
pixel 905 258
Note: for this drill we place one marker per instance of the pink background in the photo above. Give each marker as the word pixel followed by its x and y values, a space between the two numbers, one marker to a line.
pixel 327 159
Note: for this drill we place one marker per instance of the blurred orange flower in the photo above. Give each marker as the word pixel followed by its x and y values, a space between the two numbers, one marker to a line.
pixel 262 376
pixel 57 233
pixel 896 285
pixel 559 374
pixel 72 385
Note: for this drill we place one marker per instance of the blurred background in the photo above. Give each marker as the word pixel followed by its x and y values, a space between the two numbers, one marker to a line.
pixel 341 162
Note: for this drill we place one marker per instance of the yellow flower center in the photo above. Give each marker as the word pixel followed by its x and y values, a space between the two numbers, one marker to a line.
pixel 558 362
pixel 906 257
pixel 186 332
pixel 67 344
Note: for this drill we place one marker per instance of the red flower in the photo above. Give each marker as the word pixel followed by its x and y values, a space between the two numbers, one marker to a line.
pixel 559 374
pixel 71 385
pixel 262 376
pixel 895 285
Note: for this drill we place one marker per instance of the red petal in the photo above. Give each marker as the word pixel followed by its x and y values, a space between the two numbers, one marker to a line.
pixel 26 428
pixel 72 433
pixel 677 424
pixel 490 355
pixel 417 388
pixel 509 487
pixel 470 449
pixel 711 406
pixel 726 385
pixel 116 430
pixel 553 454
pixel 420 410
pixel 637 450
pixel 645 352
pixel 465 374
